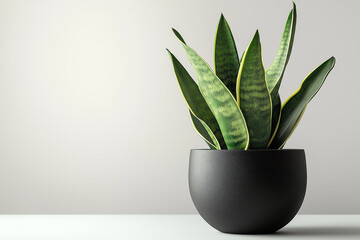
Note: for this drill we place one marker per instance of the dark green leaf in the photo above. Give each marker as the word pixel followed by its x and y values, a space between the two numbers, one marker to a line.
pixel 294 107
pixel 197 104
pixel 204 131
pixel 178 35
pixel 226 56
pixel 276 111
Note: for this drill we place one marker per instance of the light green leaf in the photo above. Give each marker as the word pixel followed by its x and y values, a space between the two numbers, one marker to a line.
pixel 253 95
pixel 226 56
pixel 276 70
pixel 221 102
pixel 197 105
pixel 294 106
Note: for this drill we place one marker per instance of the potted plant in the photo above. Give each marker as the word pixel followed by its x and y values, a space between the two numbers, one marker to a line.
pixel 246 182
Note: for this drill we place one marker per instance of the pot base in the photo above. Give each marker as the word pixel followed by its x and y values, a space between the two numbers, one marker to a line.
pixel 247 192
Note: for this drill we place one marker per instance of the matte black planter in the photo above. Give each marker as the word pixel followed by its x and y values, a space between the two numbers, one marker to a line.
pixel 249 192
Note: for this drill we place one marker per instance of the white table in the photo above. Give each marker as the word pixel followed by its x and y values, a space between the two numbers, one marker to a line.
pixel 164 227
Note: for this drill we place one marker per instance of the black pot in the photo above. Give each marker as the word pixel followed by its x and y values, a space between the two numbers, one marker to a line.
pixel 249 192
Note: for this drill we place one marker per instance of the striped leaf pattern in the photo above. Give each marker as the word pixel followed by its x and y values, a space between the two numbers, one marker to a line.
pixel 253 96
pixel 294 107
pixel 226 56
pixel 221 103
pixel 276 70
pixel 198 106
pixel 238 106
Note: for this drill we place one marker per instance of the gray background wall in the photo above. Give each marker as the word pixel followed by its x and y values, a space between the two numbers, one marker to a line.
pixel 92 120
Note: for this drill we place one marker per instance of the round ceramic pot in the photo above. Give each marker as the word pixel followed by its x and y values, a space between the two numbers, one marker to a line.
pixel 248 192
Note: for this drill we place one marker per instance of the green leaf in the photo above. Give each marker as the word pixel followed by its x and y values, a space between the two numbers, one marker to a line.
pixel 197 105
pixel 178 35
pixel 221 102
pixel 226 56
pixel 276 111
pixel 205 132
pixel 294 106
pixel 212 147
pixel 242 56
pixel 276 70
pixel 276 114
pixel 253 95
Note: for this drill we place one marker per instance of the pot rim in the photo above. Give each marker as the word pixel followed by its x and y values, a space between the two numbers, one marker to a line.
pixel 250 150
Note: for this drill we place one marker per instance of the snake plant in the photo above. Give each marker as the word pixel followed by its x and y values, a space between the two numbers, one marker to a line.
pixel 237 105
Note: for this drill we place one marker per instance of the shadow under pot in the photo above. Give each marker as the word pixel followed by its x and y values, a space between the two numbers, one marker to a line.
pixel 247 192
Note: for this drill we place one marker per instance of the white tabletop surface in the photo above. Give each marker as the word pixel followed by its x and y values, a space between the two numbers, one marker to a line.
pixel 165 227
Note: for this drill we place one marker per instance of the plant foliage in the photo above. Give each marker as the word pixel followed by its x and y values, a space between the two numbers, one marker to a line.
pixel 237 105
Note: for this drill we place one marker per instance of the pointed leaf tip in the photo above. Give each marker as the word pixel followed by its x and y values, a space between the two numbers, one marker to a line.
pixel 333 59
pixel 170 54
pixel 276 70
pixel 294 9
pixel 253 96
pixel 222 20
pixel 203 121
pixel 257 35
pixel 221 102
pixel 178 35
pixel 295 105
pixel 226 57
